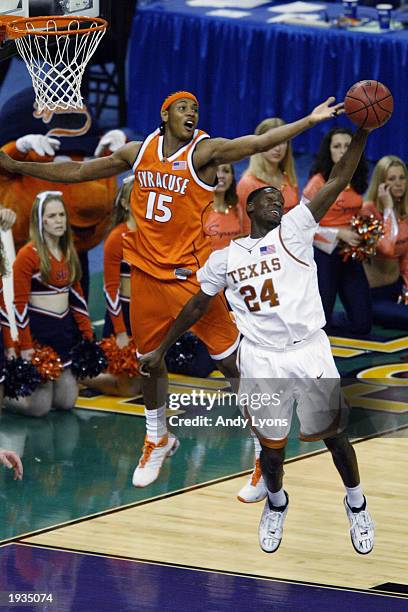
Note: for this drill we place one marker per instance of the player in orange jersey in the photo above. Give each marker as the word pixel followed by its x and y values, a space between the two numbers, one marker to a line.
pixel 175 170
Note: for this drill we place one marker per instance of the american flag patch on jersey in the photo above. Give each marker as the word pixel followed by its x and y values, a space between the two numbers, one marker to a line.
pixel 179 165
pixel 268 250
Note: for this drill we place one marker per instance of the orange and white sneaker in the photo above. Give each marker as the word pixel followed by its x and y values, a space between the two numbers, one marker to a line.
pixel 153 455
pixel 255 488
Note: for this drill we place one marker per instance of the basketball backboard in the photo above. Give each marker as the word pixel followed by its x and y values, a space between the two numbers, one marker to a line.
pixel 19 8
pixel 33 8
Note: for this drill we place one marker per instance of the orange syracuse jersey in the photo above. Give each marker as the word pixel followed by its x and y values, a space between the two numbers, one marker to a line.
pixel 168 202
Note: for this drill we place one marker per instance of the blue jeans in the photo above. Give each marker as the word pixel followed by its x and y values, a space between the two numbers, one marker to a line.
pixel 348 280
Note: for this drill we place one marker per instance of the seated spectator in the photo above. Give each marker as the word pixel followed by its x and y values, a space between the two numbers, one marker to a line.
pixel 336 277
pixel 387 272
pixel 274 167
pixel 117 293
pixel 224 222
pixel 48 301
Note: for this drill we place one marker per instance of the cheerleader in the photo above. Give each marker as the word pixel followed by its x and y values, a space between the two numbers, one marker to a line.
pixel 387 272
pixel 48 302
pixel 117 294
pixel 224 221
pixel 336 277
pixel 7 219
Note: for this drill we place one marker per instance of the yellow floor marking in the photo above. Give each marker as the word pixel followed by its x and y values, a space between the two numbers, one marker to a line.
pixel 389 346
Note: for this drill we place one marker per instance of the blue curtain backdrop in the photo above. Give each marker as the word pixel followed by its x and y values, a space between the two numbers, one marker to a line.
pixel 245 70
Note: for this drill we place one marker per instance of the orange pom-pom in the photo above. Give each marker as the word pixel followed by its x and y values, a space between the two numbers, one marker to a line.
pixel 47 362
pixel 129 360
pixel 370 230
pixel 121 361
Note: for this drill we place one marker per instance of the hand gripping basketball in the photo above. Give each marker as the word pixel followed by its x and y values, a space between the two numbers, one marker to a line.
pixel 369 104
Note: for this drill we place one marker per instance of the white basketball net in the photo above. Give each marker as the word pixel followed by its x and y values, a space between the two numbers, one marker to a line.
pixel 57 63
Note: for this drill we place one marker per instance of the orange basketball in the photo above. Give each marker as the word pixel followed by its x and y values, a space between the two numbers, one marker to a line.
pixel 369 104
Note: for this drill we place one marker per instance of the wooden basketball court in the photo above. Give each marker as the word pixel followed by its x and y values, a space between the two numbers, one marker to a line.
pixel 186 542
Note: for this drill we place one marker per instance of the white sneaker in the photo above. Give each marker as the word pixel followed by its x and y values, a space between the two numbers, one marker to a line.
pixel 254 490
pixel 271 526
pixel 361 528
pixel 153 455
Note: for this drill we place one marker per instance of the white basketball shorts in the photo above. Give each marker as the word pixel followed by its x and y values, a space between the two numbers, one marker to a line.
pixel 274 382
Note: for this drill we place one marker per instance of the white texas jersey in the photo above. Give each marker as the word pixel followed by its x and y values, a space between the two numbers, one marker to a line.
pixel 271 282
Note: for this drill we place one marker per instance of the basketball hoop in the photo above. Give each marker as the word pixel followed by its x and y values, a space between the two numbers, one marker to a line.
pixel 56 51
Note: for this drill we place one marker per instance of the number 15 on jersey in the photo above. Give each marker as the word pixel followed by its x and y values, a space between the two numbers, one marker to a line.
pixel 156 207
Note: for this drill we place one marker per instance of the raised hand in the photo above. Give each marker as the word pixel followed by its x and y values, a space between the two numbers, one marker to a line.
pixel 327 110
pixel 384 195
pixel 7 218
pixel 42 145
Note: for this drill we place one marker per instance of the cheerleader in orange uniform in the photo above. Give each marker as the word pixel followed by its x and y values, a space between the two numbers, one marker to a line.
pixel 117 294
pixel 225 221
pixel 274 167
pixel 7 219
pixel 3 327
pixel 48 302
pixel 345 279
pixel 387 272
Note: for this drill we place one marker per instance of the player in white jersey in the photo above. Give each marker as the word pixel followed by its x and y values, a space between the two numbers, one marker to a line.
pixel 272 287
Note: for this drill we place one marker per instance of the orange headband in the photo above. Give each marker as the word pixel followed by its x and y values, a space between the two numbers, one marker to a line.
pixel 178 95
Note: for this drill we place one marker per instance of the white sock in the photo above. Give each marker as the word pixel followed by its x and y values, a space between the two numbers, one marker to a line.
pixel 257 444
pixel 355 497
pixel 156 426
pixel 277 499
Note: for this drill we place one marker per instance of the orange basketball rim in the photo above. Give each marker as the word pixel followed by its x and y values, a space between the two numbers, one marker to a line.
pixel 56 50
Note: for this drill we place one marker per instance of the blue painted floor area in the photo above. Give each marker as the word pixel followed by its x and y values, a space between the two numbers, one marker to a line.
pixel 83 582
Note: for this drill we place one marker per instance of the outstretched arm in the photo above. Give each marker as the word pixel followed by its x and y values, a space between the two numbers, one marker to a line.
pixel 195 308
pixel 74 172
pixel 222 151
pixel 340 176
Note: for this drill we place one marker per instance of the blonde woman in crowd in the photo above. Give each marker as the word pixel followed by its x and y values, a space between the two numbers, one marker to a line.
pixel 274 167
pixel 387 272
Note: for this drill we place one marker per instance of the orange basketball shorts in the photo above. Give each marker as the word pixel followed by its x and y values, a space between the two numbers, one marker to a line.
pixel 155 304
